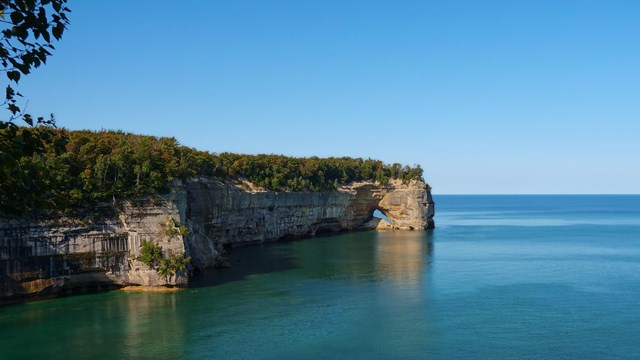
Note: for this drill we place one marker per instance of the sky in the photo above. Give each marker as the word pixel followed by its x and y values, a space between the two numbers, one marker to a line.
pixel 489 97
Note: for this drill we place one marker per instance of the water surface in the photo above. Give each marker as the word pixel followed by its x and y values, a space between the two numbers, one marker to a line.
pixel 502 277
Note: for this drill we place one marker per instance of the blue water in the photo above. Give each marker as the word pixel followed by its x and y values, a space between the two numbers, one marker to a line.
pixel 501 277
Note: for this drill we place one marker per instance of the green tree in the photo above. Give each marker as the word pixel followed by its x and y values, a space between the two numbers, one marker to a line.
pixel 27 31
pixel 174 263
pixel 150 254
pixel 99 166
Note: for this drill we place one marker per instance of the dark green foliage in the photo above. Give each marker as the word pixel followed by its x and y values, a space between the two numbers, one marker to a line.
pixel 150 254
pixel 32 174
pixel 28 29
pixel 174 263
pixel 101 166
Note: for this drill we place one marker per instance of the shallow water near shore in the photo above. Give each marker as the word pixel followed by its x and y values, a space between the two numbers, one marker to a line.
pixel 501 277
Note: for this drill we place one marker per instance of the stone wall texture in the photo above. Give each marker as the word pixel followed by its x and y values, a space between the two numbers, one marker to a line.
pixel 42 257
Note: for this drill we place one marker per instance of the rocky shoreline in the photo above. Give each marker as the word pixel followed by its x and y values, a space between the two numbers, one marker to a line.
pixel 45 257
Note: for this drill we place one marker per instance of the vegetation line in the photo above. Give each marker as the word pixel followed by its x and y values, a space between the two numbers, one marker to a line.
pixel 83 167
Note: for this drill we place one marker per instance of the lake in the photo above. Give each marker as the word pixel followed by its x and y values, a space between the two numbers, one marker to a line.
pixel 501 277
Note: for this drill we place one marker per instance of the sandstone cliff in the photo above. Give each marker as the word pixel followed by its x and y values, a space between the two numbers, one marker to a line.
pixel 52 256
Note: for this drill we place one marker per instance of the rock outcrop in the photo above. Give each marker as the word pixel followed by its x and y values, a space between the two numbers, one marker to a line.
pixel 52 256
pixel 224 213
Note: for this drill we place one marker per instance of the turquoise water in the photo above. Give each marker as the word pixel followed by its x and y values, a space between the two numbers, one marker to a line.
pixel 502 277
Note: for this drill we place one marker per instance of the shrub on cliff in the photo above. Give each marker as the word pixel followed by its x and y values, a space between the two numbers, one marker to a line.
pixel 174 263
pixel 150 254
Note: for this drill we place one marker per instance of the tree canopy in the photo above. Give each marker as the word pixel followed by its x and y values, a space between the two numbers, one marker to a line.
pixel 98 166
pixel 28 29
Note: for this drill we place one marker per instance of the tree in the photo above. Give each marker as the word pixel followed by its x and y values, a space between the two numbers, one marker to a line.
pixel 27 31
pixel 171 265
pixel 150 254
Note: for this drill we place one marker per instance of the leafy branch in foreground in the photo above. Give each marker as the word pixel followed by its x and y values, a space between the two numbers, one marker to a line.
pixel 28 29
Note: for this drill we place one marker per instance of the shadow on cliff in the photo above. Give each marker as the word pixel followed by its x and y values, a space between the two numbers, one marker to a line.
pixel 247 261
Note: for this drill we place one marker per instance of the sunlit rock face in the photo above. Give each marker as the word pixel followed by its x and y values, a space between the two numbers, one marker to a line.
pixel 408 206
pixel 226 213
pixel 40 257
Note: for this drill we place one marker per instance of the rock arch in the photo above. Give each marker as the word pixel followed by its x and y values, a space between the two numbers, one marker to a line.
pixel 409 206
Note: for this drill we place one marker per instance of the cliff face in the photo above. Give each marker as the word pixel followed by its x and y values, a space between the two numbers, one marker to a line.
pixel 46 257
pixel 42 257
pixel 224 213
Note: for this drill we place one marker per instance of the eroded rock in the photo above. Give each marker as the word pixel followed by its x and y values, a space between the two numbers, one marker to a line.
pixel 51 256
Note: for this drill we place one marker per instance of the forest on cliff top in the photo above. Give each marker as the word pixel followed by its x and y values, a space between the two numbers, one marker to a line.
pixel 84 167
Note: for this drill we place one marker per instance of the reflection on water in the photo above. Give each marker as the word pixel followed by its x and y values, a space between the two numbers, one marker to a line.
pixel 109 325
pixel 153 327
pixel 402 256
pixel 399 256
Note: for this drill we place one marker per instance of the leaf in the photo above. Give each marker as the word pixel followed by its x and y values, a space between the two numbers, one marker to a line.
pixel 58 30
pixel 16 17
pixel 46 36
pixel 24 68
pixel 13 75
pixel 42 55
pixel 21 32
pixel 13 108
pixel 31 4
pixel 28 119
pixel 10 92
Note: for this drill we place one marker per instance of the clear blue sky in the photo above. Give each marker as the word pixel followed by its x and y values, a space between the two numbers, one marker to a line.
pixel 488 96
